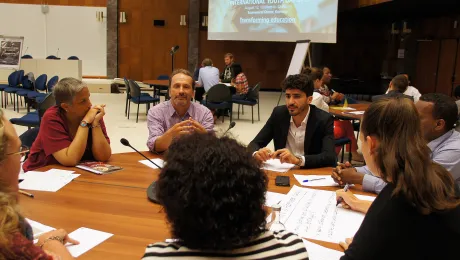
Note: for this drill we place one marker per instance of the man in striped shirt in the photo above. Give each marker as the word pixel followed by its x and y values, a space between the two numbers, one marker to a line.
pixel 213 193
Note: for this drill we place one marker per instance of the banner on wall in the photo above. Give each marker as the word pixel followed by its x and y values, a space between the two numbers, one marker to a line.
pixel 10 52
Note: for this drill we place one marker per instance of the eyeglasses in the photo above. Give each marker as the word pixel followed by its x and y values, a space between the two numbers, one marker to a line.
pixel 22 150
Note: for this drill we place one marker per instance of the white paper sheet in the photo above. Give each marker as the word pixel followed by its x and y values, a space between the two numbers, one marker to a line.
pixel 88 239
pixel 355 112
pixel 51 181
pixel 326 180
pixel 273 198
pixel 59 171
pixel 313 214
pixel 276 166
pixel 158 161
pixel 317 252
pixel 38 228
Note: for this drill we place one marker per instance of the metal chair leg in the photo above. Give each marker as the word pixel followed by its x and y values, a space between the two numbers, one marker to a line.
pixel 252 110
pixel 238 111
pixel 129 108
pixel 343 153
pixel 258 108
pixel 137 116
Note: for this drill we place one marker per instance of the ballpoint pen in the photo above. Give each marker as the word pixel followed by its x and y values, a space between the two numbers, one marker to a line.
pixel 340 200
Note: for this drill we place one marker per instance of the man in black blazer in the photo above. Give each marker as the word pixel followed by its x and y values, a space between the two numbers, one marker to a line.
pixel 302 134
pixel 398 86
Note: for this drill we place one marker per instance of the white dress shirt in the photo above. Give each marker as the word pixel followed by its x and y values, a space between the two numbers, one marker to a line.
pixel 413 92
pixel 318 101
pixel 296 138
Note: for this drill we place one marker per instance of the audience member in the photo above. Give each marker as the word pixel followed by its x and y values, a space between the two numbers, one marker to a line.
pixel 72 131
pixel 342 128
pixel 240 82
pixel 410 91
pixel 177 116
pixel 302 134
pixel 398 86
pixel 438 114
pixel 213 194
pixel 416 214
pixel 208 77
pixel 228 74
pixel 16 235
pixel 329 96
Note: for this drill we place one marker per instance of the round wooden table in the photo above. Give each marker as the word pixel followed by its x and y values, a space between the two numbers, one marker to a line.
pixel 345 114
pixel 117 203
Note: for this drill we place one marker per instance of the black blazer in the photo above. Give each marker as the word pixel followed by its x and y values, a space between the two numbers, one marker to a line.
pixel 319 136
pixel 392 94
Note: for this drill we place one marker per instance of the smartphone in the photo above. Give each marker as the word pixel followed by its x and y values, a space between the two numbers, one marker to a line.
pixel 282 181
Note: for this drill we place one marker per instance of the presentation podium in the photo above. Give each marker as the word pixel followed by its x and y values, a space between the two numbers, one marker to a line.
pixel 60 68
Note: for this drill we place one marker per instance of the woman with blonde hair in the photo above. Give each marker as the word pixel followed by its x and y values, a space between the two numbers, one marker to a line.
pixel 15 233
pixel 417 214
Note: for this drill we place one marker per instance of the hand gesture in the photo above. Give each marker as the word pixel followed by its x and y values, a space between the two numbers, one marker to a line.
pixel 197 126
pixel 345 173
pixel 100 114
pixel 263 155
pixel 59 233
pixel 179 129
pixel 346 244
pixel 286 156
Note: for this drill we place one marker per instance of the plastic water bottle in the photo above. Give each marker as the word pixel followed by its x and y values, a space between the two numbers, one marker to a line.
pixel 276 224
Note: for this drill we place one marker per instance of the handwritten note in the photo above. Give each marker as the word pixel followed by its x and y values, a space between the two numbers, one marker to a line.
pixel 276 166
pixel 159 162
pixel 313 180
pixel 313 214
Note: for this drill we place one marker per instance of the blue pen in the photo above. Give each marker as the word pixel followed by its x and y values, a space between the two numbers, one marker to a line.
pixel 340 200
pixel 314 179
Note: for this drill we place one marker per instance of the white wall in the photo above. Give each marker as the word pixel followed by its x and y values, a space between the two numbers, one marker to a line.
pixel 72 29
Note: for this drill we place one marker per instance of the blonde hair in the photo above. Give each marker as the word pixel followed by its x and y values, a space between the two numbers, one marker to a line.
pixel 9 212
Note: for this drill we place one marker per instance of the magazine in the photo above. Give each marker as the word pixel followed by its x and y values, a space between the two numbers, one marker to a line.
pixel 98 167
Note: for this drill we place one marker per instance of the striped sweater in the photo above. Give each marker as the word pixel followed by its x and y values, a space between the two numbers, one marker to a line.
pixel 276 245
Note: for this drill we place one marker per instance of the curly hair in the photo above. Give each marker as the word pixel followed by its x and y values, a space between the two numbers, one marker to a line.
pixel 213 192
pixel 299 81
pixel 313 73
pixel 444 108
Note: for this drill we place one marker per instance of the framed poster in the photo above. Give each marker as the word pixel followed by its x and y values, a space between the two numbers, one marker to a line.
pixel 10 52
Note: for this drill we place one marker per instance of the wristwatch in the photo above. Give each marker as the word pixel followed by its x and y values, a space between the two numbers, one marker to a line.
pixel 300 160
pixel 83 124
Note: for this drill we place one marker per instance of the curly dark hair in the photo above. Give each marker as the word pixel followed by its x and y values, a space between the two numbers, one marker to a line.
pixel 213 192
pixel 444 108
pixel 313 73
pixel 299 81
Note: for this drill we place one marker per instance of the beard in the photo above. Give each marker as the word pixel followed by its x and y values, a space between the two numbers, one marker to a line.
pixel 296 110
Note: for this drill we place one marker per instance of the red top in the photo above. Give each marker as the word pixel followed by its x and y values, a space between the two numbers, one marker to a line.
pixel 54 136
pixel 19 247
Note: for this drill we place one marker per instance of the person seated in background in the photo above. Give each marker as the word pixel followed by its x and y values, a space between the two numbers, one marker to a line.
pixel 302 133
pixel 16 235
pixel 208 77
pixel 177 116
pixel 329 96
pixel 438 114
pixel 213 194
pixel 240 82
pixel 72 131
pixel 410 91
pixel 342 128
pixel 416 216
pixel 228 74
pixel 398 86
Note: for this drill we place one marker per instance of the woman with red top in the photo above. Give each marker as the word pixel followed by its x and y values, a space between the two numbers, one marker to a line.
pixel 342 128
pixel 240 82
pixel 16 237
pixel 72 131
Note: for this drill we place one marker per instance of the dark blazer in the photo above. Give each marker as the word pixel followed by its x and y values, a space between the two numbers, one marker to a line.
pixel 392 94
pixel 319 136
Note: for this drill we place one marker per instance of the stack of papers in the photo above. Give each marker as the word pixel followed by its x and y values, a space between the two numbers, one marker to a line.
pixel 159 162
pixel 276 166
pixel 52 180
pixel 315 180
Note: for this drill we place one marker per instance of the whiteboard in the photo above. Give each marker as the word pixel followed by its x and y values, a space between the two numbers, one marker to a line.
pixel 298 58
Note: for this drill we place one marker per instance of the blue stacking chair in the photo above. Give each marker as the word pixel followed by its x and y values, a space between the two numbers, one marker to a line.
pixel 163 77
pixel 28 138
pixel 342 142
pixel 49 88
pixel 13 81
pixel 252 99
pixel 219 97
pixel 27 87
pixel 138 98
pixel 33 119
pixel 14 89
pixel 128 95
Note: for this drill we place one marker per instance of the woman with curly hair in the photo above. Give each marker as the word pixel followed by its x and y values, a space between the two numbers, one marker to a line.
pixel 213 193
pixel 15 233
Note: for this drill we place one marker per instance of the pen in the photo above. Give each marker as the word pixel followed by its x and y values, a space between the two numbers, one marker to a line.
pixel 314 179
pixel 26 193
pixel 340 200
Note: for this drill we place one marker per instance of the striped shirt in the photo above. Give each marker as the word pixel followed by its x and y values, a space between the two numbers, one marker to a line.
pixel 276 245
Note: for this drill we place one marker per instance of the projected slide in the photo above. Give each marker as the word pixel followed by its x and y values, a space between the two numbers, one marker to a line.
pixel 273 20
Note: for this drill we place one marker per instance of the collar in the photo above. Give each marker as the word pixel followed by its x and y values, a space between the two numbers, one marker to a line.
pixel 172 111
pixel 304 121
pixel 436 142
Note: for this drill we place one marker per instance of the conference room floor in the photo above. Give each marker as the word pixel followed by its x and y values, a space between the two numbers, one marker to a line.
pixel 118 126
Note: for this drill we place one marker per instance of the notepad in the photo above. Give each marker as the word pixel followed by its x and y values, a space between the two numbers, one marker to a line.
pixel 158 161
pixel 276 165
pixel 317 252
pixel 52 180
pixel 88 238
pixel 325 182
pixel 273 198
